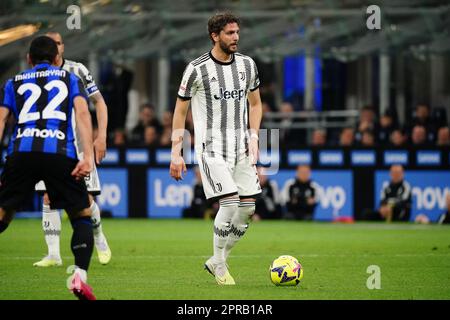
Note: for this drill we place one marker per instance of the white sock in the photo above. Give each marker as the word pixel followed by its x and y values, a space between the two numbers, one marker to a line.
pixel 239 225
pixel 99 238
pixel 51 223
pixel 222 224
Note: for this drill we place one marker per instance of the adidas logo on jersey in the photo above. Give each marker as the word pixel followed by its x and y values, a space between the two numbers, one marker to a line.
pixel 234 94
pixel 213 79
pixel 38 133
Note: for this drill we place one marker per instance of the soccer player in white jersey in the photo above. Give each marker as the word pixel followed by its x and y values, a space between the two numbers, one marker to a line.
pixel 51 219
pixel 218 85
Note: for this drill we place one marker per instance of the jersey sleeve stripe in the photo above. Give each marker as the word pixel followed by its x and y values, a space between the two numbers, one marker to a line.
pixel 195 64
pixel 248 73
pixel 184 98
pixel 190 82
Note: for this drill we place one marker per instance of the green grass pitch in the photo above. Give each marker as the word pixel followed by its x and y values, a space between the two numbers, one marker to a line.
pixel 163 259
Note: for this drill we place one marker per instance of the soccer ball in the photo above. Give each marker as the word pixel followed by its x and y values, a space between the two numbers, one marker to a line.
pixel 286 271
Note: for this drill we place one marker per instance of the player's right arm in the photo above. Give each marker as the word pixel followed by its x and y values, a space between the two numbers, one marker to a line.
pixel 187 89
pixel 177 165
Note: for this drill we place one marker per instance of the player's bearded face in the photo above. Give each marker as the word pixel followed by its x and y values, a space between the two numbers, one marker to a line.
pixel 228 47
pixel 228 38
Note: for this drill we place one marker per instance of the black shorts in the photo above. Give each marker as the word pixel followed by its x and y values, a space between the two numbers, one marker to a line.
pixel 23 170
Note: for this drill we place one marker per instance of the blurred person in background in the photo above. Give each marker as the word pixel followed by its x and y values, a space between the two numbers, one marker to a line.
pixel 268 204
pixel 119 138
pixel 146 118
pixel 117 80
pixel 367 121
pixel 167 120
pixel 367 139
pixel 387 126
pixel 346 138
pixel 396 197
pixel 443 137
pixel 422 118
pixel 303 195
pixel 266 108
pixel 287 134
pixel 319 138
pixel 166 138
pixel 166 135
pixel 419 136
pixel 151 138
pixel 397 138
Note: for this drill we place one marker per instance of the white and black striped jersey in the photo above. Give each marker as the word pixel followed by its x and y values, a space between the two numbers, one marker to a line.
pixel 219 102
pixel 83 73
pixel 78 69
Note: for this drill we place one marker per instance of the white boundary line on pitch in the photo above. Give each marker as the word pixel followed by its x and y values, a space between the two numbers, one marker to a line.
pixel 374 255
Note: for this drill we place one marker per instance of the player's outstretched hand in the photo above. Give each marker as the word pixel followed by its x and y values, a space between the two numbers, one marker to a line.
pixel 177 167
pixel 82 169
pixel 100 149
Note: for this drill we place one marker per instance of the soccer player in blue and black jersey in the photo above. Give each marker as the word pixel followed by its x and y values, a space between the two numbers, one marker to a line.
pixel 44 101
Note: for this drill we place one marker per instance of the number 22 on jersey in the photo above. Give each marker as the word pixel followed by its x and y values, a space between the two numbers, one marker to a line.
pixel 49 112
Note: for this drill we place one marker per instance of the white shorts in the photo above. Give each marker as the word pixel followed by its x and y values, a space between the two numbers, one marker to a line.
pixel 220 177
pixel 92 183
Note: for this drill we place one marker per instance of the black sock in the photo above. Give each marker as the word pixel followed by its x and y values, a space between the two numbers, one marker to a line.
pixel 3 226
pixel 82 243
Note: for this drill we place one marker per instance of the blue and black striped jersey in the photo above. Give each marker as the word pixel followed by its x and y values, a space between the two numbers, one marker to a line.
pixel 41 100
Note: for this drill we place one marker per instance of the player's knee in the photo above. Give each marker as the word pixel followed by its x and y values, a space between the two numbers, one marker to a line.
pixel 247 207
pixel 3 226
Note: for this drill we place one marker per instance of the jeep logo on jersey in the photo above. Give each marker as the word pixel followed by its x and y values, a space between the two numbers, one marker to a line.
pixel 38 133
pixel 225 94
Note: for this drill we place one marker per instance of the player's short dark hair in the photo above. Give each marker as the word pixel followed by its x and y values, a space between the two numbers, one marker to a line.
pixel 368 108
pixel 147 105
pixel 423 104
pixel 218 21
pixel 42 49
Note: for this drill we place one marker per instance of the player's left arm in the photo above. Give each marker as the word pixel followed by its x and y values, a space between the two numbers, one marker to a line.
pixel 6 97
pixel 4 114
pixel 255 116
pixel 84 123
pixel 101 111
